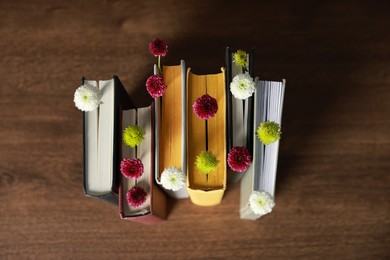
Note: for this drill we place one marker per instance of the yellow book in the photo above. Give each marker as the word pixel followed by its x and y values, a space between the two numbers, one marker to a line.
pixel 206 190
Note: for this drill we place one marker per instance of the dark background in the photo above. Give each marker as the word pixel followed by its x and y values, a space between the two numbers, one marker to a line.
pixel 332 197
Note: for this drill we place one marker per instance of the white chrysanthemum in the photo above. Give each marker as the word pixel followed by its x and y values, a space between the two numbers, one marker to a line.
pixel 172 179
pixel 261 202
pixel 87 97
pixel 242 86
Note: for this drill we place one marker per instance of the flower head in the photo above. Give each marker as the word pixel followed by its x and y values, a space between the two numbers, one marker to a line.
pixel 206 162
pixel 172 179
pixel 155 86
pixel 133 135
pixel 205 107
pixel 87 97
pixel 158 47
pixel 240 58
pixel 268 132
pixel 132 168
pixel 242 86
pixel 239 159
pixel 136 196
pixel 261 202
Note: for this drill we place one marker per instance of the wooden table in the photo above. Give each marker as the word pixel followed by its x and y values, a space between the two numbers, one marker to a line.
pixel 332 198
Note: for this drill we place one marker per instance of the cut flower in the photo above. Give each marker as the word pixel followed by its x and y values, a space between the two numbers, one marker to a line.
pixel 133 135
pixel 206 162
pixel 87 97
pixel 155 86
pixel 240 58
pixel 172 179
pixel 261 202
pixel 132 168
pixel 205 107
pixel 136 196
pixel 242 86
pixel 158 47
pixel 268 132
pixel 239 159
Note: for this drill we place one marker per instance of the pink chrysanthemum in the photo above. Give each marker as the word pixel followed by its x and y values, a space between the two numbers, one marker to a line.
pixel 205 107
pixel 155 86
pixel 136 196
pixel 158 47
pixel 132 168
pixel 239 159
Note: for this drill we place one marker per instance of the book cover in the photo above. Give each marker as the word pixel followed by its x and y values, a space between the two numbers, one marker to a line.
pixel 206 135
pixel 100 141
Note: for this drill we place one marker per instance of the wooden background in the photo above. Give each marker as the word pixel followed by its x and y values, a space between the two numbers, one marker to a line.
pixel 332 198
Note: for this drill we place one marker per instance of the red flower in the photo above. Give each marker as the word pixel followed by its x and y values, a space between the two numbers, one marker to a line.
pixel 158 47
pixel 136 196
pixel 239 159
pixel 155 86
pixel 132 168
pixel 205 107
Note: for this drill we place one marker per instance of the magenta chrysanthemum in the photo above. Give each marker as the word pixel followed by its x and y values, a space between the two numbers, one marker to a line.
pixel 155 86
pixel 205 107
pixel 136 196
pixel 132 168
pixel 239 159
pixel 158 47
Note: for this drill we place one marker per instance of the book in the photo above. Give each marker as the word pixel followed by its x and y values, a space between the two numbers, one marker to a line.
pixel 261 174
pixel 100 140
pixel 201 136
pixel 171 126
pixel 154 209
pixel 239 112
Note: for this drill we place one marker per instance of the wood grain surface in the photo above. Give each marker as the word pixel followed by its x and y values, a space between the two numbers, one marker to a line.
pixel 332 196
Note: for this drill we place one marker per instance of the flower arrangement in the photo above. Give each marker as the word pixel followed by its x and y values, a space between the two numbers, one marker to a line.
pixel 87 97
pixel 261 202
pixel 239 159
pixel 155 84
pixel 268 132
pixel 172 179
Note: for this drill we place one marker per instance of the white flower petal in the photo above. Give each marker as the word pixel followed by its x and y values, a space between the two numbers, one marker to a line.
pixel 87 97
pixel 172 179
pixel 242 86
pixel 261 202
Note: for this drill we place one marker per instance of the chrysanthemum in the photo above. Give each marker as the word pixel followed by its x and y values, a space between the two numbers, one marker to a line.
pixel 206 162
pixel 136 196
pixel 133 135
pixel 87 97
pixel 132 168
pixel 268 132
pixel 172 179
pixel 242 86
pixel 155 86
pixel 261 202
pixel 205 107
pixel 158 47
pixel 239 159
pixel 240 58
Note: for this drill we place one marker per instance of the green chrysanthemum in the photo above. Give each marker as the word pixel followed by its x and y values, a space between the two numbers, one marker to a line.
pixel 239 58
pixel 206 162
pixel 268 132
pixel 133 135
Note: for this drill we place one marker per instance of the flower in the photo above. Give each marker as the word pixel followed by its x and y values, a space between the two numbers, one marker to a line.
pixel 136 196
pixel 206 162
pixel 155 86
pixel 240 58
pixel 268 132
pixel 133 135
pixel 172 179
pixel 132 168
pixel 261 202
pixel 239 159
pixel 205 107
pixel 87 97
pixel 242 86
pixel 158 47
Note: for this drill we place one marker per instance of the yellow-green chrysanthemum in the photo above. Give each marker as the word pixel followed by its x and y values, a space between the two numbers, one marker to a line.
pixel 240 58
pixel 268 132
pixel 133 135
pixel 206 162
